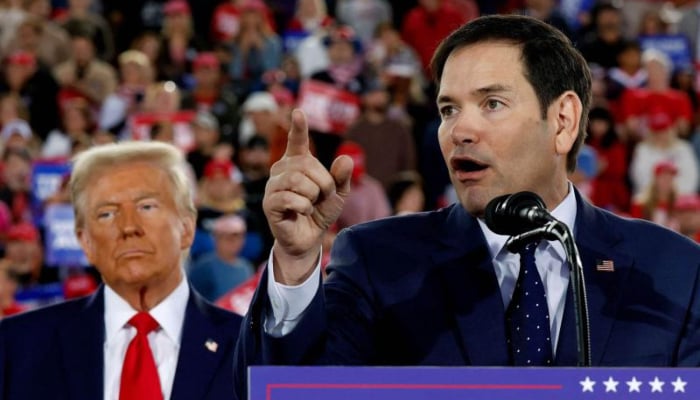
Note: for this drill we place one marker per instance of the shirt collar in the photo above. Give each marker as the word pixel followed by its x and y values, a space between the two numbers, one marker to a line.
pixel 169 313
pixel 564 212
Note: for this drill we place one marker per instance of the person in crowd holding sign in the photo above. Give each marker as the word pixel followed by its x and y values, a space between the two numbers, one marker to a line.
pixel 145 333
pixel 336 90
pixel 435 288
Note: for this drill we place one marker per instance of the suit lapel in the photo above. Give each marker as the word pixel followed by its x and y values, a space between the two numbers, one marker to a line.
pixel 203 348
pixel 597 241
pixel 472 289
pixel 81 342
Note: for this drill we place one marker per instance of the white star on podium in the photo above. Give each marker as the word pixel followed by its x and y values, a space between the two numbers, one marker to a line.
pixel 679 385
pixel 587 385
pixel 610 385
pixel 656 385
pixel 634 384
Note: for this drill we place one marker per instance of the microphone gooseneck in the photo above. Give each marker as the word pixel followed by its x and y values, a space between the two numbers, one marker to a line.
pixel 524 217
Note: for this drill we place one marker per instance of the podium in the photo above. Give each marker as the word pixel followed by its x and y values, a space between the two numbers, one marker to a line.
pixel 471 383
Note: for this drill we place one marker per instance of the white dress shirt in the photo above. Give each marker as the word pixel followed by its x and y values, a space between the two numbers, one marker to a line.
pixel 164 342
pixel 290 302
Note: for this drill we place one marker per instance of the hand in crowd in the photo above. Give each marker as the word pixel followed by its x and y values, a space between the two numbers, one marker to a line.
pixel 302 199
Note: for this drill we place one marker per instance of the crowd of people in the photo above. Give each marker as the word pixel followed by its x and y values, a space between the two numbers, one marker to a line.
pixel 219 80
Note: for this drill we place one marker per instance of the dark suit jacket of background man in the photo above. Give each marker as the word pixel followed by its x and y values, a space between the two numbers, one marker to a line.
pixel 57 352
pixel 421 290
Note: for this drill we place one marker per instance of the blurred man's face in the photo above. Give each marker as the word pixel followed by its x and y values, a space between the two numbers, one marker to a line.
pixel 83 50
pixel 609 26
pixel 17 173
pixel 28 37
pixel 22 254
pixel 492 133
pixel 17 75
pixel 376 101
pixel 229 244
pixel 133 232
pixel 205 137
pixel 207 76
pixel 263 120
pixel 341 52
pixel 658 74
pixel 221 188
pixel 255 162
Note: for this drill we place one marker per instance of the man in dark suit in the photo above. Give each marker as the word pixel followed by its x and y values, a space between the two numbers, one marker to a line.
pixel 135 221
pixel 437 288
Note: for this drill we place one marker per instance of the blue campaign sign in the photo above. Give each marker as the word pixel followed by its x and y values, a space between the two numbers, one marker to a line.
pixel 676 47
pixel 291 40
pixel 47 177
pixel 471 383
pixel 62 247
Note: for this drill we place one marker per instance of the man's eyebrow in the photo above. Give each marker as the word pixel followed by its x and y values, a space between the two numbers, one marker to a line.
pixel 141 196
pixel 480 92
pixel 495 88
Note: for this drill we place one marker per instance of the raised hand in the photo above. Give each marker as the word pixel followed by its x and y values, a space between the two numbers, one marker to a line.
pixel 302 199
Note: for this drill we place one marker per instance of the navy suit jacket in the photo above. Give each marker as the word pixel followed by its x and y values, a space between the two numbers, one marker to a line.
pixel 421 290
pixel 57 352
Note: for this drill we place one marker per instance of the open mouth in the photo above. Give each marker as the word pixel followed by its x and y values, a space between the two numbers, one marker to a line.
pixel 467 166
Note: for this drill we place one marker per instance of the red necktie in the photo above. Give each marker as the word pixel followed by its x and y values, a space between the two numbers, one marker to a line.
pixel 139 373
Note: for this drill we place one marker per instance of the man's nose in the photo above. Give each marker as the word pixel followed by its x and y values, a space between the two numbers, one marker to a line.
pixel 465 128
pixel 129 222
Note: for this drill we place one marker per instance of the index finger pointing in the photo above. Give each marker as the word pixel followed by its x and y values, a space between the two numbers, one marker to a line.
pixel 298 138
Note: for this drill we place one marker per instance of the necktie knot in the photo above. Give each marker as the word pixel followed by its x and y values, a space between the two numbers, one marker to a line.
pixel 527 253
pixel 144 323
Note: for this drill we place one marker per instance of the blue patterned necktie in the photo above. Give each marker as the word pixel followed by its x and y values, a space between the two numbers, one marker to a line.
pixel 527 316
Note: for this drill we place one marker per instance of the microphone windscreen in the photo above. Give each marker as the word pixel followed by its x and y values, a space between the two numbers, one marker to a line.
pixel 504 214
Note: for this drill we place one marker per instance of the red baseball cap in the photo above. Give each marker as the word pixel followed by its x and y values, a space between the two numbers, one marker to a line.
pixel 176 7
pixel 216 168
pixel 254 5
pixel 24 232
pixel 688 202
pixel 206 59
pixel 21 57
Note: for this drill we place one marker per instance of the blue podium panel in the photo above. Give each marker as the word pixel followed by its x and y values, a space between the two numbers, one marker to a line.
pixel 471 383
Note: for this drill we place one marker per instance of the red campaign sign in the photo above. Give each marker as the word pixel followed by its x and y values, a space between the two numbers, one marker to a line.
pixel 183 137
pixel 238 299
pixel 328 109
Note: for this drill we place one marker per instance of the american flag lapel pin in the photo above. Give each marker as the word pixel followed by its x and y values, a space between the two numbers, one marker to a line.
pixel 605 266
pixel 211 345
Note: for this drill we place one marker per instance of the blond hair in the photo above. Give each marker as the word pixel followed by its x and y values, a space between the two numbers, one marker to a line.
pixel 99 159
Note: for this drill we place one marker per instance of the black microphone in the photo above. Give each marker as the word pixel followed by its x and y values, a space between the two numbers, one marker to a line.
pixel 514 214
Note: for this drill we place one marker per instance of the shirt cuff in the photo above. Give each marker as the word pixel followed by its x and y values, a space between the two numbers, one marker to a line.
pixel 288 302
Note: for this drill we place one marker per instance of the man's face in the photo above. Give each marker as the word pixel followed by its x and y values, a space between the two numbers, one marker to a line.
pixel 207 76
pixel 256 159
pixel 205 137
pixel 17 172
pixel 23 255
pixel 341 52
pixel 492 136
pixel 133 233
pixel 17 75
pixel 229 244
pixel 83 50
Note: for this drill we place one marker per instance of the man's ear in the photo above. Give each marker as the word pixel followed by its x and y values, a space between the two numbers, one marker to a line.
pixel 568 109
pixel 188 228
pixel 85 243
